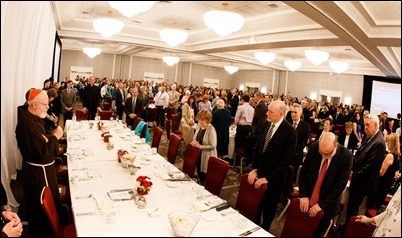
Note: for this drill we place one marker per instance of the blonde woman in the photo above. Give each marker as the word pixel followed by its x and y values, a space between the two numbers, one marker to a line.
pixel 187 120
pixel 387 172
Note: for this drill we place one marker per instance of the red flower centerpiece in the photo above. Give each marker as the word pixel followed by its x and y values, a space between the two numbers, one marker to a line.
pixel 144 184
pixel 120 154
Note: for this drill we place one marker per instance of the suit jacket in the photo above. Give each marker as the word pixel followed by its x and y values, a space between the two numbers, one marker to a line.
pixel 119 98
pixel 273 163
pixel 352 144
pixel 234 103
pixel 260 114
pixel 128 108
pixel 368 160
pixel 335 179
pixel 67 99
pixel 340 119
pixel 303 133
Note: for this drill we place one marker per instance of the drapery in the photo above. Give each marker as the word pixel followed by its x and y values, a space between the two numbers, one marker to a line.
pixel 27 42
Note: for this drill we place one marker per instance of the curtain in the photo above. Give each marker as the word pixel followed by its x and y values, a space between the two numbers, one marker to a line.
pixel 27 41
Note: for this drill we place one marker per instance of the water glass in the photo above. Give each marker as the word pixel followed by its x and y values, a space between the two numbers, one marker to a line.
pixel 74 118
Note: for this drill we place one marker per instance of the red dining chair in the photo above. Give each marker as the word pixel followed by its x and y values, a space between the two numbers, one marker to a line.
pixel 173 148
pixel 136 122
pixel 156 138
pixel 190 160
pixel 105 115
pixel 216 174
pixel 50 211
pixel 358 229
pixel 81 114
pixel 249 198
pixel 298 223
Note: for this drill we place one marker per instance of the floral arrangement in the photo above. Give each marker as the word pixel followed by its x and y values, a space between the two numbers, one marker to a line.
pixel 144 184
pixel 120 154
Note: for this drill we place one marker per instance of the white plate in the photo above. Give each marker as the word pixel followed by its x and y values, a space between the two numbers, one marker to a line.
pixel 172 184
pixel 145 161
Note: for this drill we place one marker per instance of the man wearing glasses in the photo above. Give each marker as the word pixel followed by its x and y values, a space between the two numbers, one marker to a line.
pixel 323 177
pixel 38 148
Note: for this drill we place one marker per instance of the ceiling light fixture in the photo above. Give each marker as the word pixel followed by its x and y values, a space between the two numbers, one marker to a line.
pixel 131 8
pixel 316 56
pixel 339 66
pixel 107 27
pixel 170 60
pixel 173 37
pixel 265 57
pixel 292 65
pixel 223 22
pixel 231 69
pixel 92 51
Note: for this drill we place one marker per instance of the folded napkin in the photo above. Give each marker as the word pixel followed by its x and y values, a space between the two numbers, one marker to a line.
pixel 178 175
pixel 164 175
pixel 200 206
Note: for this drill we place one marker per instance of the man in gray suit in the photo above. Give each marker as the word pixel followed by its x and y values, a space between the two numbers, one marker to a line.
pixel 67 99
pixel 277 144
pixel 366 165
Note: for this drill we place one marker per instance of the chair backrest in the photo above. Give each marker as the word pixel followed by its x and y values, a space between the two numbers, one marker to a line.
pixel 175 122
pixel 167 124
pixel 298 223
pixel 338 129
pixel 156 138
pixel 358 229
pixel 136 121
pixel 152 114
pixel 106 106
pixel 81 114
pixel 105 115
pixel 50 210
pixel 216 173
pixel 249 198
pixel 173 148
pixel 170 111
pixel 190 160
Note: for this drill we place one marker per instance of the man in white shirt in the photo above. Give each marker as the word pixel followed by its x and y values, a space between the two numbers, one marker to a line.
pixel 243 119
pixel 161 102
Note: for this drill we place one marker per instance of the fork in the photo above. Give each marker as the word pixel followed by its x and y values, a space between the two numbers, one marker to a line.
pixel 81 197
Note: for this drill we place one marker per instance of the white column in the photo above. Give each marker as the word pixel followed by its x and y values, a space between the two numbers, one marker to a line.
pixel 175 74
pixel 130 67
pixel 114 65
pixel 189 73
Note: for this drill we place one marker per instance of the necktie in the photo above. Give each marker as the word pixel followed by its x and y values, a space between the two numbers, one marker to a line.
pixel 295 125
pixel 68 91
pixel 268 136
pixel 316 192
pixel 134 104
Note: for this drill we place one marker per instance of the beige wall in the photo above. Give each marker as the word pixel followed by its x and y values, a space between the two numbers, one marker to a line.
pixel 298 84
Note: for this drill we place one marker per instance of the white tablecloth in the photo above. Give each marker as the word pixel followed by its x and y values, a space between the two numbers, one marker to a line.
pixel 94 170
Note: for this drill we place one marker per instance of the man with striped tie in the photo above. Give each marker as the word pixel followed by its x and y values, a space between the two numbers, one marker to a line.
pixel 277 144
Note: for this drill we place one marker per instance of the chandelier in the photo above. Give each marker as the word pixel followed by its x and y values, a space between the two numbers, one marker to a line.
pixel 170 60
pixel 339 66
pixel 265 57
pixel 173 37
pixel 223 22
pixel 316 56
pixel 292 65
pixel 231 69
pixel 131 8
pixel 107 26
pixel 92 51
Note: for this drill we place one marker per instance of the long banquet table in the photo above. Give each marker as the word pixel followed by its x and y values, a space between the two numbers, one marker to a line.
pixel 94 171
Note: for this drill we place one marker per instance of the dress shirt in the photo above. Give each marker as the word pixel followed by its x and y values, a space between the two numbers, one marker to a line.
pixel 244 114
pixel 162 99
pixel 346 141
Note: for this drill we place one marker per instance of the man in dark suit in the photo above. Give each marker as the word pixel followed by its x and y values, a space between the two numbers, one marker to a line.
pixel 67 100
pixel 303 133
pixel 234 102
pixel 133 107
pixel 91 100
pixel 366 165
pixel 338 116
pixel 260 114
pixel 339 165
pixel 276 149
pixel 119 99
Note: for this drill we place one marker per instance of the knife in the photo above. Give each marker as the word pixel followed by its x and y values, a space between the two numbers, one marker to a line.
pixel 87 213
pixel 250 231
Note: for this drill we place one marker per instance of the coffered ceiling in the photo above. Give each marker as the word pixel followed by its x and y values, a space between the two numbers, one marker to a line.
pixel 366 34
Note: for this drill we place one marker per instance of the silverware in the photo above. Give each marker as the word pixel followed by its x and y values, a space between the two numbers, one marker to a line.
pixel 120 190
pixel 80 197
pixel 150 213
pixel 88 213
pixel 250 231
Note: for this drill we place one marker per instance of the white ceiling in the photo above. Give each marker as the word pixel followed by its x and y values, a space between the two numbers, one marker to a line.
pixel 366 34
